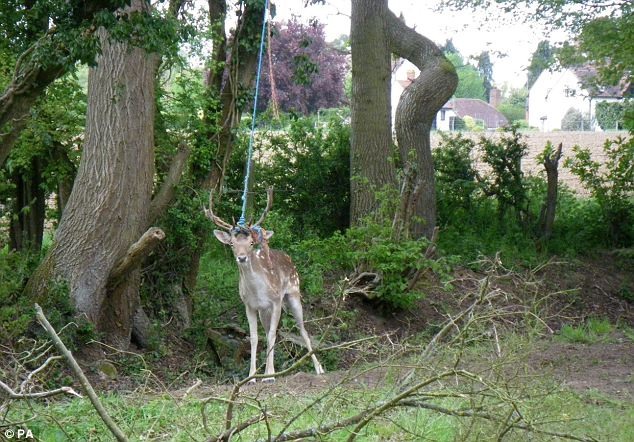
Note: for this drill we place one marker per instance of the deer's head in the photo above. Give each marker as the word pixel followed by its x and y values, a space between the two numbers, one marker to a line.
pixel 243 239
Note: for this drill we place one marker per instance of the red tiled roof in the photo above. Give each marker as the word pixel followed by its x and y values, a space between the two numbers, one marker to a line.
pixel 478 109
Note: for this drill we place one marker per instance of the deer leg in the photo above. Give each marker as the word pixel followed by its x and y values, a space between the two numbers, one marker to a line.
pixel 252 317
pixel 295 306
pixel 265 319
pixel 275 313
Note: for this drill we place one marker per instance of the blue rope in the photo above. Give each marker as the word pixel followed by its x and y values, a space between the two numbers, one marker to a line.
pixel 242 220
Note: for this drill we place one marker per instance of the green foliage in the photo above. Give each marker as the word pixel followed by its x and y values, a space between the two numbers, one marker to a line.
pixel 608 43
pixel 15 313
pixel 604 32
pixel 542 59
pixel 308 167
pixel 455 176
pixel 485 69
pixel 573 120
pixel 611 183
pixel 370 247
pixel 470 81
pixel 53 134
pixel 472 210
pixel 473 125
pixel 513 105
pixel 610 115
pixel 505 182
pixel 17 316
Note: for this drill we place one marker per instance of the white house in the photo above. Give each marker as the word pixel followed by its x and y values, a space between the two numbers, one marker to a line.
pixel 450 115
pixel 554 93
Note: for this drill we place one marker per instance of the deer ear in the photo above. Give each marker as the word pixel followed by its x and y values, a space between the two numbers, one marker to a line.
pixel 268 234
pixel 223 237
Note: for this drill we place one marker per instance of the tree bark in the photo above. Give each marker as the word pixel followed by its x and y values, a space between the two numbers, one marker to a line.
pixel 108 209
pixel 371 140
pixel 551 164
pixel 415 113
pixel 167 191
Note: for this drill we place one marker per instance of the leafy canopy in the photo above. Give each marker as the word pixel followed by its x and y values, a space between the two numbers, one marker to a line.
pixel 471 84
pixel 604 30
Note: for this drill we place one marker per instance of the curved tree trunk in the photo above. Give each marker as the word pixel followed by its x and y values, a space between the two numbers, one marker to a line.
pixel 415 113
pixel 108 209
pixel 371 140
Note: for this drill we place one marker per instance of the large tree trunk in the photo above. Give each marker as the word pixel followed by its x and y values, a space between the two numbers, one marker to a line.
pixel 415 113
pixel 371 140
pixel 108 209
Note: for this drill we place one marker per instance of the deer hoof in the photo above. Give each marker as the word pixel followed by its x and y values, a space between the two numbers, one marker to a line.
pixel 251 382
pixel 268 380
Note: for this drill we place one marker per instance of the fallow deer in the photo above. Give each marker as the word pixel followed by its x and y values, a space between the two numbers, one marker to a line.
pixel 268 278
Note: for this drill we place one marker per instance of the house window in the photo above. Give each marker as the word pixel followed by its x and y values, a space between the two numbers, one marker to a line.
pixel 442 115
pixel 569 92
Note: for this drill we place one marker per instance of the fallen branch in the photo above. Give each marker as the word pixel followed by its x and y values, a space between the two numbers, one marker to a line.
pixel 228 434
pixel 90 392
pixel 467 413
pixel 39 395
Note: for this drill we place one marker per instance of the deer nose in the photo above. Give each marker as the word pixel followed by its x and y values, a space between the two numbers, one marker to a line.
pixel 241 259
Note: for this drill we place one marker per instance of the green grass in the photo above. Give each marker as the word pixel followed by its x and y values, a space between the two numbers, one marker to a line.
pixel 162 417
pixel 594 330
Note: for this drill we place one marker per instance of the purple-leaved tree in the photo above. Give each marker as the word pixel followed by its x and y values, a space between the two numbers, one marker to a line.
pixel 308 74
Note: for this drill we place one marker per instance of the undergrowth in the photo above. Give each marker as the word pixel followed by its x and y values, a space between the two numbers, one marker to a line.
pixel 153 413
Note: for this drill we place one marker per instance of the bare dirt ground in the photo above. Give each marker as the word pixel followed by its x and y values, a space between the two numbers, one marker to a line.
pixel 606 367
pixel 597 287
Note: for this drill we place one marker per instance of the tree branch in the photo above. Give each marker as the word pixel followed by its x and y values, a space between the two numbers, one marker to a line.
pixel 39 395
pixel 32 77
pixel 166 192
pixel 112 426
pixel 135 255
pixel 467 413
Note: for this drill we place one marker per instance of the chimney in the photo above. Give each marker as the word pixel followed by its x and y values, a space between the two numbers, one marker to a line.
pixel 495 97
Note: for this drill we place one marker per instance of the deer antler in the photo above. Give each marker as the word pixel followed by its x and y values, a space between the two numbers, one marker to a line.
pixel 209 213
pixel 269 204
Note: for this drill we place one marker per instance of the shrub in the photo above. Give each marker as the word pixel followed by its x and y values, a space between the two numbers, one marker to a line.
pixel 17 316
pixel 309 167
pixel 455 175
pixel 506 181
pixel 610 115
pixel 574 120
pixel 611 184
